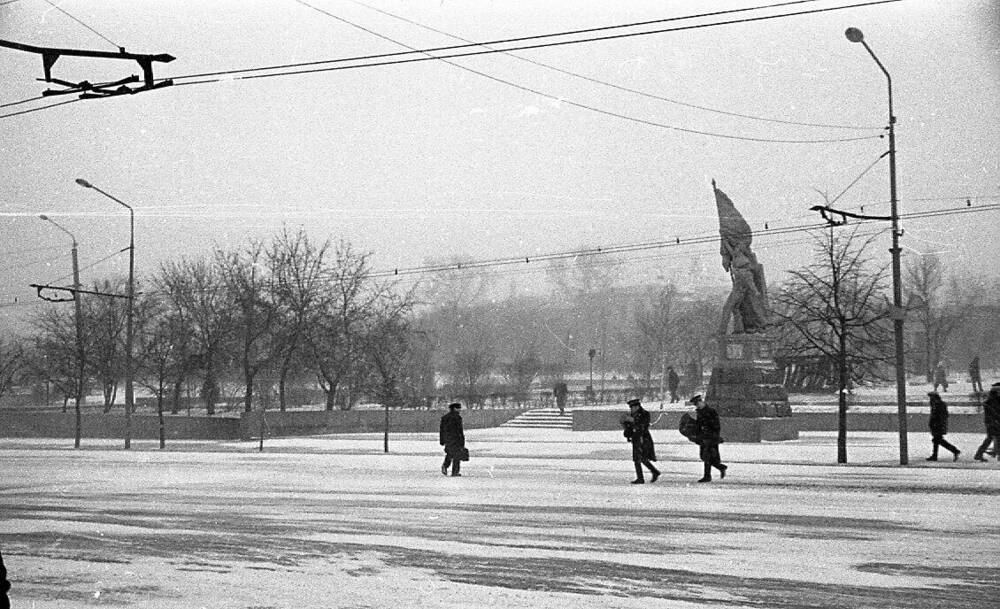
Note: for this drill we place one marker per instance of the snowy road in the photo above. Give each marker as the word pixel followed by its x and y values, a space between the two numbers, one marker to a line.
pixel 541 518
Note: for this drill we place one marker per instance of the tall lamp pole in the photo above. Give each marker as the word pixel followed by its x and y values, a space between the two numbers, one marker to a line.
pixel 79 330
pixel 129 396
pixel 855 35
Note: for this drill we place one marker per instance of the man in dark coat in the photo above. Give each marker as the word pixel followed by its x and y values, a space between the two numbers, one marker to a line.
pixel 452 437
pixel 643 450
pixel 974 375
pixel 991 412
pixel 709 438
pixel 673 381
pixel 938 424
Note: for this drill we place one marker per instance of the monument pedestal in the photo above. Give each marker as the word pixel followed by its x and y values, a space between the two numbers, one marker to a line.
pixel 747 392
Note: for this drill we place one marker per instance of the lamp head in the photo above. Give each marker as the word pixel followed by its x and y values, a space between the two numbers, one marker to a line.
pixel 853 34
pixel 84 183
pixel 43 216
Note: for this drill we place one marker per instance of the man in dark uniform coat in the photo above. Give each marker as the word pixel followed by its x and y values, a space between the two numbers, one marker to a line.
pixel 643 450
pixel 453 439
pixel 938 423
pixel 709 438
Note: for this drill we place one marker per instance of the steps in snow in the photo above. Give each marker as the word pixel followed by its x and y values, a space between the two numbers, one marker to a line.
pixel 542 418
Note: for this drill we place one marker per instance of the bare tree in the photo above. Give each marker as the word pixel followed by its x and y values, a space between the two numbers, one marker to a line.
pixel 653 335
pixel 837 307
pixel 301 289
pixel 336 336
pixel 251 283
pixel 390 343
pixel 13 363
pixel 55 357
pixel 522 369
pixel 938 309
pixel 194 290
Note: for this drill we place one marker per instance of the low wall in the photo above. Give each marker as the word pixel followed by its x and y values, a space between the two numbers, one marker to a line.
pixel 101 425
pixel 304 423
pixel 598 420
pixel 886 421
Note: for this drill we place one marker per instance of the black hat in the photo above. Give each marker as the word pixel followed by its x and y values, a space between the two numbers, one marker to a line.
pixel 695 398
pixel 454 406
pixel 634 402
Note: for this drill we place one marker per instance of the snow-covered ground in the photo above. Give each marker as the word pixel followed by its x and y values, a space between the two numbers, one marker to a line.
pixel 540 518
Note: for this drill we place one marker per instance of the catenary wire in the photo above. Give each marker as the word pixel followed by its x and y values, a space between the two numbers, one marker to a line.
pixel 617 86
pixel 628 248
pixel 561 99
pixel 64 12
pixel 505 41
pixel 11 114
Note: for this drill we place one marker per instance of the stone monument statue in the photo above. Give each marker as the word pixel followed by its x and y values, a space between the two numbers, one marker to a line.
pixel 746 387
pixel 747 303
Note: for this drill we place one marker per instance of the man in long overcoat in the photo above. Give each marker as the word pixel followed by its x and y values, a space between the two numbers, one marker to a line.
pixel 453 439
pixel 938 424
pixel 991 413
pixel 709 438
pixel 643 450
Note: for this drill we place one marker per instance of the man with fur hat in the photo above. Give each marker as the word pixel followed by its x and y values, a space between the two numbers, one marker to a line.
pixel 452 437
pixel 637 432
pixel 709 438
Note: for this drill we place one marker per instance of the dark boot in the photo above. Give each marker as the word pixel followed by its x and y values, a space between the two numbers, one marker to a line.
pixel 707 477
pixel 639 479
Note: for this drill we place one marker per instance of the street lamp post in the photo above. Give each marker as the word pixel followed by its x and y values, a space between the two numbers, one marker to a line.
pixel 79 331
pixel 129 396
pixel 855 35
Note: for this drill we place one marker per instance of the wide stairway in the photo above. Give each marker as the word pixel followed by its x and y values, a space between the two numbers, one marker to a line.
pixel 542 418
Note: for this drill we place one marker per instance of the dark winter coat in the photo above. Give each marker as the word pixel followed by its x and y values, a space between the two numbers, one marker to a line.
pixel 991 411
pixel 938 421
pixel 673 381
pixel 642 440
pixel 709 428
pixel 452 436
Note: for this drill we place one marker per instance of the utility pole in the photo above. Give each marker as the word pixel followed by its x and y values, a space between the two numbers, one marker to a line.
pixel 79 331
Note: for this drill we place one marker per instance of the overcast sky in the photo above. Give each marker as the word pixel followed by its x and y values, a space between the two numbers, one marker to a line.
pixel 601 143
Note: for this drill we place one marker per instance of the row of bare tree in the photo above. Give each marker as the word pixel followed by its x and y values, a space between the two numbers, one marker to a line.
pixel 278 316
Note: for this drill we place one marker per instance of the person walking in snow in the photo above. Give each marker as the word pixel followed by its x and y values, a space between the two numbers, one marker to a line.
pixel 938 424
pixel 709 434
pixel 452 437
pixel 643 450
pixel 673 381
pixel 991 414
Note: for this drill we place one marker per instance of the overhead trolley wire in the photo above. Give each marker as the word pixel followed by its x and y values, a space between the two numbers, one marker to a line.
pixel 506 41
pixel 560 99
pixel 629 89
pixel 28 111
pixel 675 242
pixel 63 11
pixel 510 262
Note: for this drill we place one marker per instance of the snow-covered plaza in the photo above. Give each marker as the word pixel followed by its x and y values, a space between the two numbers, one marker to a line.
pixel 540 518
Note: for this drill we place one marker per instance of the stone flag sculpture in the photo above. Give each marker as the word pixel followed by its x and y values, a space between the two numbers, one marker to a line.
pixel 747 303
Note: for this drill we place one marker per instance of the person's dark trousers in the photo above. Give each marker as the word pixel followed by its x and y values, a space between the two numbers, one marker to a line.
pixel 455 463
pixel 650 466
pixel 710 457
pixel 940 441
pixel 986 444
